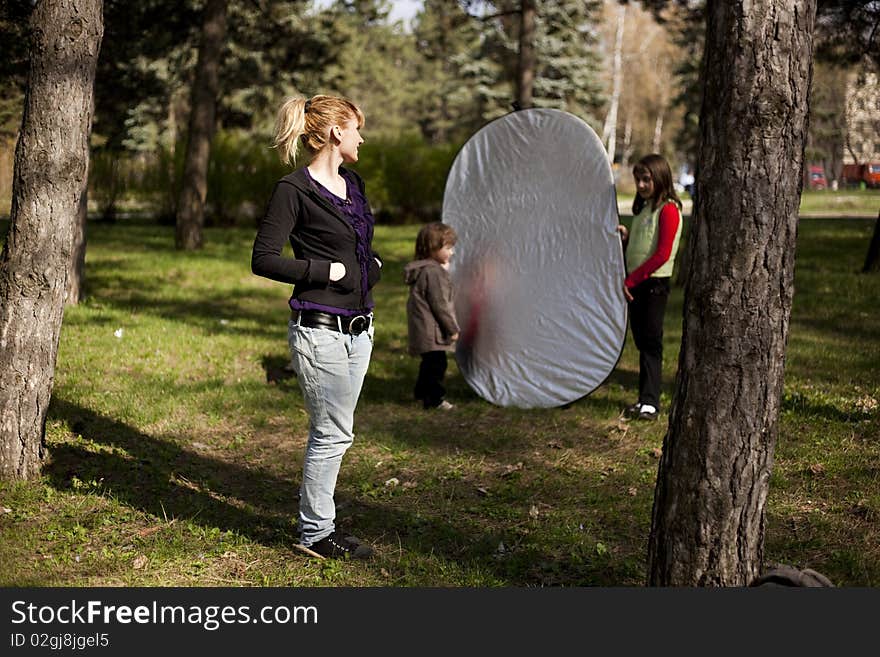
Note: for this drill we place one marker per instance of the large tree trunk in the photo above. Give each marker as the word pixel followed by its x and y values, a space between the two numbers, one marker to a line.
pixel 525 80
pixel 708 517
pixel 206 86
pixel 872 260
pixel 50 169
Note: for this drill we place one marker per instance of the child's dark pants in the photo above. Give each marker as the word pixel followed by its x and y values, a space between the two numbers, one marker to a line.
pixel 429 386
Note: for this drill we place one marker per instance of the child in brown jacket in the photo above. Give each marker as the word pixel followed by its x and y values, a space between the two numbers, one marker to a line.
pixel 431 322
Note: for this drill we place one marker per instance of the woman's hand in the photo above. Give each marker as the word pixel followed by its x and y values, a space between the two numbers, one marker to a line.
pixel 627 294
pixel 624 233
pixel 337 271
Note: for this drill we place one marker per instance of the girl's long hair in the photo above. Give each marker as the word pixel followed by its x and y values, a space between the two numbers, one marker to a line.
pixel 661 174
pixel 308 121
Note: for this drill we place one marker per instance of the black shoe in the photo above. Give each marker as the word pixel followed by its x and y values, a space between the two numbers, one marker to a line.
pixel 337 546
pixel 632 412
pixel 648 415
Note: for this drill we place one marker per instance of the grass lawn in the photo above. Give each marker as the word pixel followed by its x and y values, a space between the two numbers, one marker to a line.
pixel 175 440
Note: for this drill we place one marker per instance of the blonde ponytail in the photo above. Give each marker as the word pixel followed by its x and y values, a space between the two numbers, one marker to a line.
pixel 289 126
pixel 309 122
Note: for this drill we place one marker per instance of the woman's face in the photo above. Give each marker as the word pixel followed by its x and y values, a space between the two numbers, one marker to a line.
pixel 349 140
pixel 644 184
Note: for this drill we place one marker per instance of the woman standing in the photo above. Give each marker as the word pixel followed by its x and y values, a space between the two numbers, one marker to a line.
pixel 322 211
pixel 651 245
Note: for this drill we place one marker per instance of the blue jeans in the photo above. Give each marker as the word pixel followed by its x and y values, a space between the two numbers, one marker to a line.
pixel 330 367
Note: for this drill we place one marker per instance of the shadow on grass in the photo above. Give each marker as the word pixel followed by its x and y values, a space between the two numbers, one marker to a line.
pixel 278 370
pixel 165 480
pixel 806 407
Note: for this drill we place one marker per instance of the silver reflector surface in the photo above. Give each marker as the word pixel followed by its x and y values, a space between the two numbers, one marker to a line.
pixel 538 267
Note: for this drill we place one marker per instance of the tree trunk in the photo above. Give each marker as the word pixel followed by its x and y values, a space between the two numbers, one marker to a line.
pixel 525 81
pixel 205 88
pixel 77 273
pixel 708 517
pixel 627 146
pixel 609 130
pixel 872 260
pixel 51 159
pixel 658 132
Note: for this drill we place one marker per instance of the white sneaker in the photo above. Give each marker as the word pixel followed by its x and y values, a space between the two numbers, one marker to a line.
pixel 445 406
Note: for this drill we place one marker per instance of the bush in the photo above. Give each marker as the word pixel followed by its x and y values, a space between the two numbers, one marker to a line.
pixel 405 178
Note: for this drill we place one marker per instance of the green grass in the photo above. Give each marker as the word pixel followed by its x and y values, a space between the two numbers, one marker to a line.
pixel 175 448
pixel 848 202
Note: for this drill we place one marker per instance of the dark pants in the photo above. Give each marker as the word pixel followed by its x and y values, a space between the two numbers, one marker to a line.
pixel 646 312
pixel 429 386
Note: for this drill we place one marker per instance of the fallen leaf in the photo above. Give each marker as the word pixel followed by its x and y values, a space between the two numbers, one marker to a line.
pixel 482 491
pixel 555 444
pixel 533 511
pixel 632 491
pixel 510 469
pixel 149 530
pixel 384 572
pixel 391 483
pixel 656 452
pixel 817 469
pixel 140 562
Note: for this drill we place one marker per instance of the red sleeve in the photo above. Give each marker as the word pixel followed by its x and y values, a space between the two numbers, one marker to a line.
pixel 666 230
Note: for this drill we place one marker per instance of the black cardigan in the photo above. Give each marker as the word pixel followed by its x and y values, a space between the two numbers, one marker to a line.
pixel 319 235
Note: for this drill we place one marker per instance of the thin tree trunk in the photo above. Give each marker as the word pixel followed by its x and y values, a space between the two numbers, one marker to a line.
pixel 51 159
pixel 206 86
pixel 708 516
pixel 627 146
pixel 872 260
pixel 526 68
pixel 658 133
pixel 609 130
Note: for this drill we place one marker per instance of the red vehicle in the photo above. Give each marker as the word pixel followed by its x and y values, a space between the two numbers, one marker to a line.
pixel 854 175
pixel 816 178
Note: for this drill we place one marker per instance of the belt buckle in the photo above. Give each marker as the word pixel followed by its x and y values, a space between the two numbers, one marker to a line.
pixel 358 324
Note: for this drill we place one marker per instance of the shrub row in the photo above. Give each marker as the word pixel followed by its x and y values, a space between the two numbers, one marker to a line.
pixel 405 179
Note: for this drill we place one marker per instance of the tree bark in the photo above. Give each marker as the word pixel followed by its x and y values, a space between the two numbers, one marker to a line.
pixel 525 81
pixel 872 260
pixel 77 273
pixel 708 517
pixel 50 168
pixel 205 89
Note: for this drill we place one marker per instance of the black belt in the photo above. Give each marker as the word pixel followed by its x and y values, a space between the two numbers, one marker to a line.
pixel 319 319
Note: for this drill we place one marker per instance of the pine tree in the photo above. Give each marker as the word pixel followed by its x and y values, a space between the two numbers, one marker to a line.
pixel 568 62
pixel 444 33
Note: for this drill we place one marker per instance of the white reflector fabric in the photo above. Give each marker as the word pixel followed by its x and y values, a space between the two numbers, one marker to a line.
pixel 538 267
